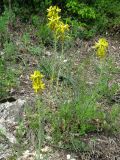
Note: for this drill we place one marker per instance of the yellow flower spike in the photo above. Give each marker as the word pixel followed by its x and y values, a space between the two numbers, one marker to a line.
pixel 58 9
pixel 35 87
pixel 101 47
pixel 53 8
pixel 63 27
pixel 36 74
pixel 37 83
pixel 53 11
pixel 55 24
pixel 42 85
pixel 102 42
pixel 53 19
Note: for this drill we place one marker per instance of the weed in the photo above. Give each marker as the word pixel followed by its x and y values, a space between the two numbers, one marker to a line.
pixel 9 51
pixel 35 50
pixel 26 39
pixel 7 79
pixel 4 20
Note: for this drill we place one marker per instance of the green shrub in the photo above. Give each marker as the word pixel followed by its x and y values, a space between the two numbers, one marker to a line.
pixel 43 32
pixel 93 16
pixel 96 16
pixel 9 50
pixel 81 10
pixel 26 39
pixel 85 114
pixel 7 79
pixel 4 20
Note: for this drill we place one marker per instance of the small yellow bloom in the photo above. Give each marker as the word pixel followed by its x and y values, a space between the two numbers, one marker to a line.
pixel 63 27
pixel 53 21
pixel 102 42
pixel 36 74
pixel 53 11
pixel 101 47
pixel 38 86
pixel 37 83
pixel 58 9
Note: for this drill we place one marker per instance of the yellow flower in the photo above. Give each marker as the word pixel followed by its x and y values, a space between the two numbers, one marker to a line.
pixel 37 83
pixel 53 21
pixel 53 11
pixel 38 86
pixel 58 9
pixel 36 74
pixel 102 42
pixel 63 27
pixel 101 47
pixel 55 24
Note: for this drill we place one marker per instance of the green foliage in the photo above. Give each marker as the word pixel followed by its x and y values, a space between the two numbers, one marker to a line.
pixel 105 88
pixel 83 114
pixel 82 10
pixel 75 118
pixel 9 50
pixel 46 68
pixel 41 4
pixel 35 20
pixel 26 39
pixel 7 79
pixel 96 15
pixel 7 75
pixel 43 32
pixel 86 114
pixel 112 119
pixel 93 16
pixel 80 110
pixel 35 50
pixel 21 130
pixel 4 20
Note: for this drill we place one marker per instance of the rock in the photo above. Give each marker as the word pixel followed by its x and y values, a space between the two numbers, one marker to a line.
pixel 5 151
pixel 27 155
pixel 68 156
pixel 10 113
pixel 46 149
pixel 8 135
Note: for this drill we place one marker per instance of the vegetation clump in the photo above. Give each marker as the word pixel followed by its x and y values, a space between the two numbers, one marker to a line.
pixel 73 91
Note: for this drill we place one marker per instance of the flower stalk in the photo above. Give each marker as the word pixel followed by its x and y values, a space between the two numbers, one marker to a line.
pixel 101 46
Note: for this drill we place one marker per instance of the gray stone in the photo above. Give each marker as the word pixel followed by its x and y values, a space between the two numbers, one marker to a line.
pixel 10 113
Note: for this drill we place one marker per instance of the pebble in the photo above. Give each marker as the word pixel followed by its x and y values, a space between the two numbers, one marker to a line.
pixel 68 156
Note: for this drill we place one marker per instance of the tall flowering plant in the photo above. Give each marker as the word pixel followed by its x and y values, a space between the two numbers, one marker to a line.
pixel 101 46
pixel 37 82
pixel 55 24
pixel 38 86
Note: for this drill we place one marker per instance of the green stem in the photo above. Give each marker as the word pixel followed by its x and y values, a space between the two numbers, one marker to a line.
pixel 93 96
pixel 40 129
pixel 54 61
pixel 61 59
